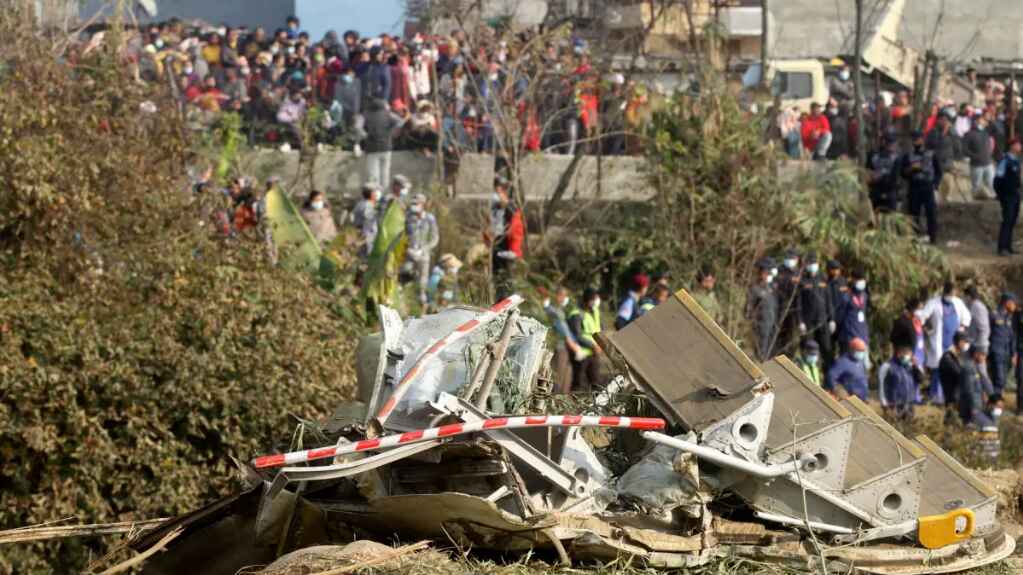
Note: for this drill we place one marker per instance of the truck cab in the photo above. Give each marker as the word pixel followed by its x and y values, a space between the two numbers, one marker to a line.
pixel 799 83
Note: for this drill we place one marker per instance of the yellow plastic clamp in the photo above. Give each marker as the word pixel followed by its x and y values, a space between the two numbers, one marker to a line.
pixel 937 531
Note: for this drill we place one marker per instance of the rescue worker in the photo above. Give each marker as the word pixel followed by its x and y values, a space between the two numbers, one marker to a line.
pixel 809 361
pixel 566 348
pixel 787 288
pixel 815 306
pixel 838 286
pixel 762 309
pixel 883 176
pixel 629 309
pixel 920 167
pixel 1002 354
pixel 423 237
pixel 1007 188
pixel 585 323
pixel 851 316
pixel 974 391
pixel 849 374
pixel 900 384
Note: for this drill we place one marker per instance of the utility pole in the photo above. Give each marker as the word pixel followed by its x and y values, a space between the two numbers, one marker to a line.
pixel 861 145
pixel 763 43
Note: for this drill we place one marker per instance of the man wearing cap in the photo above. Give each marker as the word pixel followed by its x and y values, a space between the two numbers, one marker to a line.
pixel 1007 188
pixel 851 316
pixel 849 374
pixel 787 287
pixel 900 383
pixel 815 306
pixel 1002 348
pixel 921 168
pixel 762 309
pixel 809 360
pixel 883 176
pixel 423 237
pixel 629 310
pixel 816 132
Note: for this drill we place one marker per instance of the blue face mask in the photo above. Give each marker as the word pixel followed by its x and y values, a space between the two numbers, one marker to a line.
pixel 812 359
pixel 906 360
pixel 860 356
pixel 346 79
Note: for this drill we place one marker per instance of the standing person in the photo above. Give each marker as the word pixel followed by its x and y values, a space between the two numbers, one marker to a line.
pixel 815 306
pixel 585 323
pixel 787 288
pixel 941 142
pixel 1002 354
pixel 950 374
pixel 506 237
pixel 1007 187
pixel 704 294
pixel 381 127
pixel 423 237
pixel 658 295
pixel 979 331
pixel 977 146
pixel 838 287
pixel 816 133
pixel 762 310
pixel 838 120
pixel 851 315
pixel 883 176
pixel 908 332
pixel 920 167
pixel 348 93
pixel 316 213
pixel 401 189
pixel 364 217
pixel 945 316
pixel 900 384
pixel 975 391
pixel 848 376
pixel 376 78
pixel 566 350
pixel 809 361
pixel 629 309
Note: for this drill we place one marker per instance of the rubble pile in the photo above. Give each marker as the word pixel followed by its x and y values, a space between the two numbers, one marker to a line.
pixel 450 439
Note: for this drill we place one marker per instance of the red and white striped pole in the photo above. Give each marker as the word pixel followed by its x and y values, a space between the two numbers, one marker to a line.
pixel 642 423
pixel 461 331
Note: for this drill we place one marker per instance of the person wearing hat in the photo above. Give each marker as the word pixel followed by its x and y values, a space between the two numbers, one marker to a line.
pixel 899 384
pixel 809 360
pixel 1001 348
pixel 629 310
pixel 423 236
pixel 816 133
pixel 883 175
pixel 1007 188
pixel 762 310
pixel 815 306
pixel 851 316
pixel 838 286
pixel 786 285
pixel 848 376
pixel 443 285
pixel 921 168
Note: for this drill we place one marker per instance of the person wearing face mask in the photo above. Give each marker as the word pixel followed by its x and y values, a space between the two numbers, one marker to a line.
pixel 348 93
pixel 974 389
pixel 944 317
pixel 901 380
pixel 786 284
pixel 978 147
pixel 585 323
pixel 848 376
pixel 566 350
pixel 883 176
pixel 853 312
pixel 809 361
pixel 762 310
pixel 316 213
pixel 950 373
pixel 815 306
pixel 423 237
pixel 365 217
pixel 838 118
pixel 921 168
pixel 1007 187
pixel 942 142
pixel 840 85
pixel 1002 344
pixel 816 132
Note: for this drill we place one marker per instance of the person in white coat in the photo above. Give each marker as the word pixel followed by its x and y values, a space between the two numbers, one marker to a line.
pixel 943 316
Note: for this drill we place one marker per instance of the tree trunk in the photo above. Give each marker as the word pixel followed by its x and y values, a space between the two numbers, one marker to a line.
pixel 763 44
pixel 861 145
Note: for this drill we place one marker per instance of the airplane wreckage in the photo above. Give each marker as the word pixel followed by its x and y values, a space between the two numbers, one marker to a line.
pixel 692 453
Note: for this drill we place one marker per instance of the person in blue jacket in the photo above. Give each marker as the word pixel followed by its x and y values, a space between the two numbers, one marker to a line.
pixel 901 381
pixel 848 375
pixel 851 316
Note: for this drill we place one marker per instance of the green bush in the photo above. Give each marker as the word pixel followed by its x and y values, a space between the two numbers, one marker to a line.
pixel 138 349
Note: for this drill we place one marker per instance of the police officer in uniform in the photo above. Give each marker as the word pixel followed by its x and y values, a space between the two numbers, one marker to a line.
pixel 883 176
pixel 762 309
pixel 838 286
pixel 1007 186
pixel 920 167
pixel 787 288
pixel 815 307
pixel 1002 355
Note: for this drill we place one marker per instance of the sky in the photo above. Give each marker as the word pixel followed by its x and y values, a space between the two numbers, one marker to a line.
pixel 368 17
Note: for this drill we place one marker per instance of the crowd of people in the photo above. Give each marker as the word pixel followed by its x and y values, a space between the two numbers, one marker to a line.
pixel 917 165
pixel 377 94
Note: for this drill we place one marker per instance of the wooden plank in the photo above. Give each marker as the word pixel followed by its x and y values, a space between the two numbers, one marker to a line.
pixel 688 363
pixel 795 396
pixel 947 484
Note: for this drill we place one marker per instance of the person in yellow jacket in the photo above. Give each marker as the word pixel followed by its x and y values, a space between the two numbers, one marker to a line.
pixel 809 360
pixel 584 322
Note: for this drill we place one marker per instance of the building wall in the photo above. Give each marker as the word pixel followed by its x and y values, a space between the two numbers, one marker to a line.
pixel 269 14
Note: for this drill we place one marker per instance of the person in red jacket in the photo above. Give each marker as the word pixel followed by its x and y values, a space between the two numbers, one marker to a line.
pixel 506 237
pixel 816 132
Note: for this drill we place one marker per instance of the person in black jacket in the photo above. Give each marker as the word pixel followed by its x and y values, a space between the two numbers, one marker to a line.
pixel 815 306
pixel 762 309
pixel 921 168
pixel 883 176
pixel 1007 187
pixel 381 126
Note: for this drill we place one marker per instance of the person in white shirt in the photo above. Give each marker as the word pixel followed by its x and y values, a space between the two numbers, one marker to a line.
pixel 943 316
